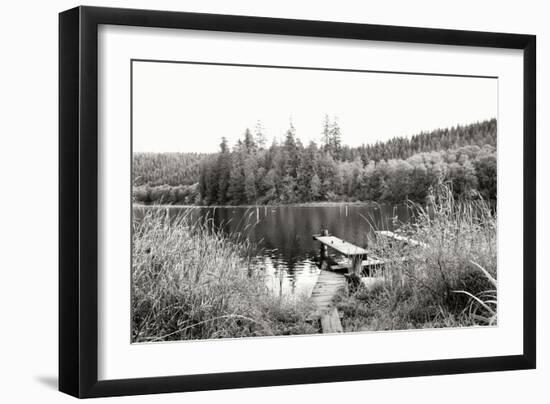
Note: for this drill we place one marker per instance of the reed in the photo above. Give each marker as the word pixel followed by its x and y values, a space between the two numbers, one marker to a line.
pixel 449 282
pixel 190 281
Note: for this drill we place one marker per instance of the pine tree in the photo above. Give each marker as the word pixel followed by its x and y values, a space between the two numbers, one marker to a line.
pixel 325 134
pixel 335 140
pixel 249 144
pixel 315 187
pixel 236 194
pixel 259 135
pixel 249 186
pixel 223 171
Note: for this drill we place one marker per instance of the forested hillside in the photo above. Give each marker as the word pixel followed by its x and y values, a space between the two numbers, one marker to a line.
pixel 167 168
pixel 290 172
pixel 479 134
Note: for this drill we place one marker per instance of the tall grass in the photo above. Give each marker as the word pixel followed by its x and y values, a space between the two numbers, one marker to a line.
pixel 190 281
pixel 450 281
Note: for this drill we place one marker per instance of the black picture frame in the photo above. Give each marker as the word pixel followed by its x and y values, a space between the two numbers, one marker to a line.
pixel 78 201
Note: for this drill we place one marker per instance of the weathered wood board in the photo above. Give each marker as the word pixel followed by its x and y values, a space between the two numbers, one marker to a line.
pixel 368 263
pixel 330 322
pixel 341 246
pixel 325 290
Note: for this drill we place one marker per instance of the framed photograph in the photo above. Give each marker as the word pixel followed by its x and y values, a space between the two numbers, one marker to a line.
pixel 250 201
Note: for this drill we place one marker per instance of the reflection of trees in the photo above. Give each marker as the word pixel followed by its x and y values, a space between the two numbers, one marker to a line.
pixel 285 233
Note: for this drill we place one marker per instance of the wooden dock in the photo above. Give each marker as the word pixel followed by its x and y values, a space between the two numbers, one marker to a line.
pixel 351 251
pixel 331 281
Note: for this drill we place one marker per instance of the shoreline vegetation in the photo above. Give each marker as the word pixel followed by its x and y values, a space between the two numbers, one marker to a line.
pixel 452 282
pixel 252 206
pixel 189 281
pixel 192 282
pixel 288 172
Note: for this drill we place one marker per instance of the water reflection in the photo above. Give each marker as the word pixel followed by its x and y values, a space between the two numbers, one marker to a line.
pixel 282 280
pixel 286 250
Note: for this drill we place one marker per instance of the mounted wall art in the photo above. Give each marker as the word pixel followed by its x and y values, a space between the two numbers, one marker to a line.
pixel 250 201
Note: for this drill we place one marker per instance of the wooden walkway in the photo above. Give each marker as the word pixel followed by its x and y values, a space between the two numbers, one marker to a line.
pixel 323 294
pixel 331 281
pixel 327 286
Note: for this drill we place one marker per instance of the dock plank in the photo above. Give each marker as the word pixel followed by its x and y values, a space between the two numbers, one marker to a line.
pixel 341 246
pixel 368 263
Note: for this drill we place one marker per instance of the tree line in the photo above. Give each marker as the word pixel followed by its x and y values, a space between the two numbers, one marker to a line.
pixel 166 168
pixel 289 172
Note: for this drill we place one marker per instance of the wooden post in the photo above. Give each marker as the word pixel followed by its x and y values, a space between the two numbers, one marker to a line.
pixel 430 202
pixel 368 269
pixel 356 265
pixel 324 250
pixel 354 272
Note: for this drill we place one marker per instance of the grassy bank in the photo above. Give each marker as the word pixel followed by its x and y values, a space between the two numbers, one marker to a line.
pixel 450 283
pixel 191 282
pixel 319 204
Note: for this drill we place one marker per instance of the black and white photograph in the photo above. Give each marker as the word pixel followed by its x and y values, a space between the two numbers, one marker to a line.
pixel 286 200
pixel 275 202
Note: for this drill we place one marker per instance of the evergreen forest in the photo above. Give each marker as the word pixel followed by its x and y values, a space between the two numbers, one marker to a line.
pixel 288 171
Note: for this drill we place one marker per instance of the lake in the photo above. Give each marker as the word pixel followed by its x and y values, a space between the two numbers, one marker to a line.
pixel 286 250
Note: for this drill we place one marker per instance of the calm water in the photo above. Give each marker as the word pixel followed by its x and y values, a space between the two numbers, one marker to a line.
pixel 286 249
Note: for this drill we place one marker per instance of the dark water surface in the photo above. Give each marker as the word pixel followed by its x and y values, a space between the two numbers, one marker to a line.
pixel 283 234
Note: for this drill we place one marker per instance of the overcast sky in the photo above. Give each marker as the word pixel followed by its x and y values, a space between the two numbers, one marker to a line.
pixel 188 108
